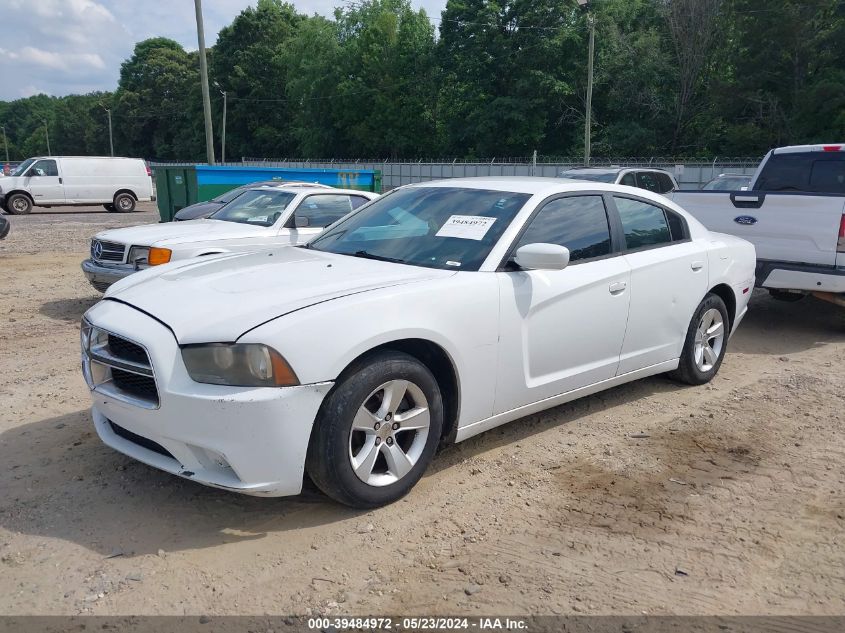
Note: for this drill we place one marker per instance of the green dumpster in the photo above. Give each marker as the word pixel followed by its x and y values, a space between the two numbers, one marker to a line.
pixel 176 188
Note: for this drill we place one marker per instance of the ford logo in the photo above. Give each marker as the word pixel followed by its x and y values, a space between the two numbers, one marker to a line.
pixel 745 219
pixel 96 250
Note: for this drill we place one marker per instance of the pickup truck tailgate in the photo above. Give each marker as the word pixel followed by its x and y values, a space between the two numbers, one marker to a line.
pixel 787 227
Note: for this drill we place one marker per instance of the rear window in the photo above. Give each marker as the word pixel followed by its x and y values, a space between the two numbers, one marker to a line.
pixel 814 172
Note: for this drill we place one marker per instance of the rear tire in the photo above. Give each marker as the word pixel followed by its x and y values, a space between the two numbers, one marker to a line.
pixel 376 431
pixel 705 344
pixel 18 204
pixel 788 297
pixel 124 203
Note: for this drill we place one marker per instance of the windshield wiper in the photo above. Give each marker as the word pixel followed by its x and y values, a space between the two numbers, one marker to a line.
pixel 381 258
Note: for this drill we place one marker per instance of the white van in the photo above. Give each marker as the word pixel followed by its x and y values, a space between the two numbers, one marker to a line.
pixel 52 181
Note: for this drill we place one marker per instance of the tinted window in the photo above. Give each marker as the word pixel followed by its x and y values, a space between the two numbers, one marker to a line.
pixel 665 183
pixel 677 226
pixel 647 180
pixel 828 176
pixel 629 180
pixel 323 210
pixel 817 172
pixel 578 223
pixel 44 168
pixel 358 201
pixel 644 224
pixel 426 226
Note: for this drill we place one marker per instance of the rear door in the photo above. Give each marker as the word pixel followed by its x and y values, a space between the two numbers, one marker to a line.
pixel 45 183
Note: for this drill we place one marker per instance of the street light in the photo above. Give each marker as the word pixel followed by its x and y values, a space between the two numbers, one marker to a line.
pixel 591 24
pixel 47 134
pixel 111 140
pixel 206 99
pixel 223 134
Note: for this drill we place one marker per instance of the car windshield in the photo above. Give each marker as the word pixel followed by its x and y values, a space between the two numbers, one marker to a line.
pixel 230 195
pixel 22 167
pixel 597 176
pixel 728 183
pixel 436 227
pixel 259 207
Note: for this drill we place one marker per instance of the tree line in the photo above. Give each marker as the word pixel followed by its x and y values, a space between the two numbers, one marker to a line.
pixel 692 78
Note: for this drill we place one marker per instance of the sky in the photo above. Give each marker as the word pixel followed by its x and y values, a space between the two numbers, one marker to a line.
pixel 60 47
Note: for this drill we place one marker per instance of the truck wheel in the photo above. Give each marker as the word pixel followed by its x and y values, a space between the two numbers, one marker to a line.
pixel 18 204
pixel 109 207
pixel 784 295
pixel 124 203
pixel 705 344
pixel 376 431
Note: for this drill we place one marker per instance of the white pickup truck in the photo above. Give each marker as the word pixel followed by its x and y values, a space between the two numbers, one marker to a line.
pixel 794 214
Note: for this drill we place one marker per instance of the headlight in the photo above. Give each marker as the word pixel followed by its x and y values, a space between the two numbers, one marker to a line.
pixel 159 256
pixel 238 365
pixel 138 253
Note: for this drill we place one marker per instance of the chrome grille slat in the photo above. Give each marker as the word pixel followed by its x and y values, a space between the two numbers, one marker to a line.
pixel 118 367
pixel 102 251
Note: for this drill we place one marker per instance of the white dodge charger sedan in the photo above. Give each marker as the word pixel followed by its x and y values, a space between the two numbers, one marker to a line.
pixel 434 313
pixel 266 215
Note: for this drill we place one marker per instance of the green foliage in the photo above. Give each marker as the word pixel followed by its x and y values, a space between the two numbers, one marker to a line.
pixel 503 78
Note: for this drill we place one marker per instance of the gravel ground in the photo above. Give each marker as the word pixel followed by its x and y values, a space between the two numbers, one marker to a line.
pixel 649 498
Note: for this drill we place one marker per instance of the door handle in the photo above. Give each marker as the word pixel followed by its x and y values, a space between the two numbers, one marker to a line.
pixel 697 265
pixel 617 287
pixel 60 180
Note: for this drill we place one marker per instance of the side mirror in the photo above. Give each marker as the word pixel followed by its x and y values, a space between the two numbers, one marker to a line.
pixel 300 222
pixel 542 257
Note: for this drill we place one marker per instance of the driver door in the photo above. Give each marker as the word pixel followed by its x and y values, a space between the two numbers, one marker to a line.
pixel 44 183
pixel 562 329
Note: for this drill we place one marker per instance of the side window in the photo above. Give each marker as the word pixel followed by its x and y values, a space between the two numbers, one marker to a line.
pixel 647 180
pixel 665 183
pixel 828 176
pixel 358 201
pixel 677 226
pixel 644 224
pixel 579 223
pixel 786 172
pixel 321 210
pixel 628 180
pixel 44 168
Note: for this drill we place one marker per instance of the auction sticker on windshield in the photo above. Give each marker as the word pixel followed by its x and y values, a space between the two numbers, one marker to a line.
pixel 467 227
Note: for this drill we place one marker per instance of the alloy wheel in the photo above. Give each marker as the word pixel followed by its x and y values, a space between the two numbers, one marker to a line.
pixel 709 340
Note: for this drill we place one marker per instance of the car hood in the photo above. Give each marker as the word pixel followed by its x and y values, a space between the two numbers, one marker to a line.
pixel 170 233
pixel 217 299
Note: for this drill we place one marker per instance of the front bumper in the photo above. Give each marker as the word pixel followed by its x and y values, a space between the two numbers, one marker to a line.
pixel 248 440
pixel 101 276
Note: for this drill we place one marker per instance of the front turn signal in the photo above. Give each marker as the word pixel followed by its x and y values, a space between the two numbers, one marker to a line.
pixel 158 256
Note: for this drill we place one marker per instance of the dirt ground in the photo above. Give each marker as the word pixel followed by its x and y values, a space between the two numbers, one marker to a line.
pixel 649 498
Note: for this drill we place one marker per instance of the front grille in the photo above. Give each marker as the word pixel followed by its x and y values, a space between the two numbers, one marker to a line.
pixel 143 387
pixel 107 251
pixel 127 350
pixel 140 440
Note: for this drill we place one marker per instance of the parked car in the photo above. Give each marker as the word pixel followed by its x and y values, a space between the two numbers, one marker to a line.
pixel 728 182
pixel 5 227
pixel 53 181
pixel 272 215
pixel 436 312
pixel 656 180
pixel 205 209
pixel 794 214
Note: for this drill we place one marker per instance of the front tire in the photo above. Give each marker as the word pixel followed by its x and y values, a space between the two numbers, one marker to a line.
pixel 18 204
pixel 377 431
pixel 705 344
pixel 124 203
pixel 110 208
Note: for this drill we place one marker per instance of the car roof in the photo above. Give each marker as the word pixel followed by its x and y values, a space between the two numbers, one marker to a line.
pixel 595 170
pixel 529 184
pixel 822 147
pixel 296 189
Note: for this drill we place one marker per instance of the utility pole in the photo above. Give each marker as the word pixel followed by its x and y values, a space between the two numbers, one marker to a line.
pixel 588 119
pixel 5 143
pixel 206 99
pixel 223 134
pixel 47 133
pixel 111 140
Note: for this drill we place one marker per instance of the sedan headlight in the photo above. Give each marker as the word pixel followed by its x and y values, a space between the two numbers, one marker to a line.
pixel 238 365
pixel 139 255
